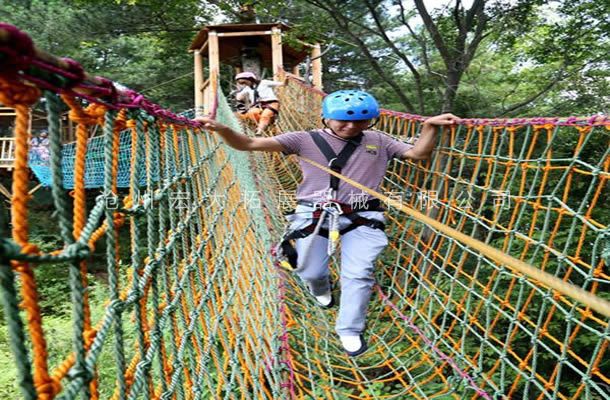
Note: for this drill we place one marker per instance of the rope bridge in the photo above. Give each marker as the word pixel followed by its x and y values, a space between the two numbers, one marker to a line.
pixel 193 307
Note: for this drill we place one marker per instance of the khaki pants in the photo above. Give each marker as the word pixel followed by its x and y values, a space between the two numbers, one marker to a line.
pixel 262 115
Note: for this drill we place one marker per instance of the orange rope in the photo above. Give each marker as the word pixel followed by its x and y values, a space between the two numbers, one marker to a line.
pixel 21 97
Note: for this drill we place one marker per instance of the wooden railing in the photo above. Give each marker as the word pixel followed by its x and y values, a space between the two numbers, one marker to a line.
pixel 7 152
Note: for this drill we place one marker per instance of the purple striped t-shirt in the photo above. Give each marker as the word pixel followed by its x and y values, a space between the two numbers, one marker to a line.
pixel 367 165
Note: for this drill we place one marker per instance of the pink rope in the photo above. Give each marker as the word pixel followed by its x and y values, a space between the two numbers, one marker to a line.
pixel 434 348
pixel 285 347
pixel 596 120
pixel 20 49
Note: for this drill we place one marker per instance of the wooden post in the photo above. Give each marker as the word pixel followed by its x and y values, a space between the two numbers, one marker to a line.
pixel 316 66
pixel 70 128
pixel 198 83
pixel 296 72
pixel 214 60
pixel 276 51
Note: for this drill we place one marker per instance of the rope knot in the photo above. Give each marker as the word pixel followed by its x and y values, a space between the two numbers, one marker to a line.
pixel 79 251
pixel 80 372
pixel 14 93
pixel 89 336
pixel 74 71
pixel 120 121
pixel 48 389
pixel 30 248
pixel 80 117
pixel 128 202
pixel 119 219
pixel 96 111
pixel 8 249
pixel 92 115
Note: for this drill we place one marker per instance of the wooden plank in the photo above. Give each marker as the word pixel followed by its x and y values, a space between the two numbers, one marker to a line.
pixel 198 82
pixel 206 99
pixel 305 43
pixel 35 189
pixel 316 66
pixel 203 47
pixel 71 133
pixel 214 64
pixel 7 146
pixel 276 52
pixel 251 33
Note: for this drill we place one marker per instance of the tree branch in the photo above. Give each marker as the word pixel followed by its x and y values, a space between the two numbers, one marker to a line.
pixel 433 30
pixel 345 17
pixel 477 7
pixel 458 19
pixel 473 46
pixel 344 25
pixel 549 86
pixel 422 44
pixel 400 54
pixel 149 30
pixel 509 93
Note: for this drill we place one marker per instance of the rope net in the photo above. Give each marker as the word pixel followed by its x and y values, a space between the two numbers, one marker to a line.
pixel 175 319
pixel 449 322
pixel 194 308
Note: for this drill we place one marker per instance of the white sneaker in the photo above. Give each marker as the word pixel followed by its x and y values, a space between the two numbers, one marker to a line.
pixel 353 345
pixel 325 300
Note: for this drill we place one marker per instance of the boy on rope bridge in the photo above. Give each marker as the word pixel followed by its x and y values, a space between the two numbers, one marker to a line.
pixel 259 97
pixel 326 210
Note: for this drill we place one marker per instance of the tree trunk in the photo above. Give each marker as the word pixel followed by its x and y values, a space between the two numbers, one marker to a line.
pixel 452 84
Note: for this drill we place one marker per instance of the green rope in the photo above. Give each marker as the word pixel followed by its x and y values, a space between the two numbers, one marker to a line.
pixel 16 331
pixel 111 257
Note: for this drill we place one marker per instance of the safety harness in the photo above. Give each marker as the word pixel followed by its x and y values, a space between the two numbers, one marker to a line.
pixel 285 252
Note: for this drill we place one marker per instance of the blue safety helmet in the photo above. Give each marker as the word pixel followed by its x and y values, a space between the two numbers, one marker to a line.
pixel 350 105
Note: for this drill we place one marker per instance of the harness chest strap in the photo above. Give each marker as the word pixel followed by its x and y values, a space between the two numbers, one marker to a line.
pixel 336 162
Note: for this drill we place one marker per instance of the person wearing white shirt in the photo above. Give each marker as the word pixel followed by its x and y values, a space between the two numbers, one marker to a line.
pixel 260 97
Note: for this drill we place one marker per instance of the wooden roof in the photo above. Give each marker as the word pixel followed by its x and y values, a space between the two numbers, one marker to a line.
pixel 231 46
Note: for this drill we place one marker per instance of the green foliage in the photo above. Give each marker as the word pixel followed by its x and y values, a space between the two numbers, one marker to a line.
pixel 536 58
pixel 57 325
pixel 142 45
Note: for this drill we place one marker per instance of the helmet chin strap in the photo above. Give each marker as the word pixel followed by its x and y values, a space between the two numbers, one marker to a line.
pixel 328 127
pixel 375 120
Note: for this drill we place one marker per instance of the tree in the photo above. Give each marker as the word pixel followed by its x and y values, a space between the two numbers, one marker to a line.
pixel 140 45
pixel 418 57
pixel 493 58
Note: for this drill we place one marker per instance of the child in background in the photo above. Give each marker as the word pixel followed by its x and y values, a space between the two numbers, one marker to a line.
pixel 263 104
